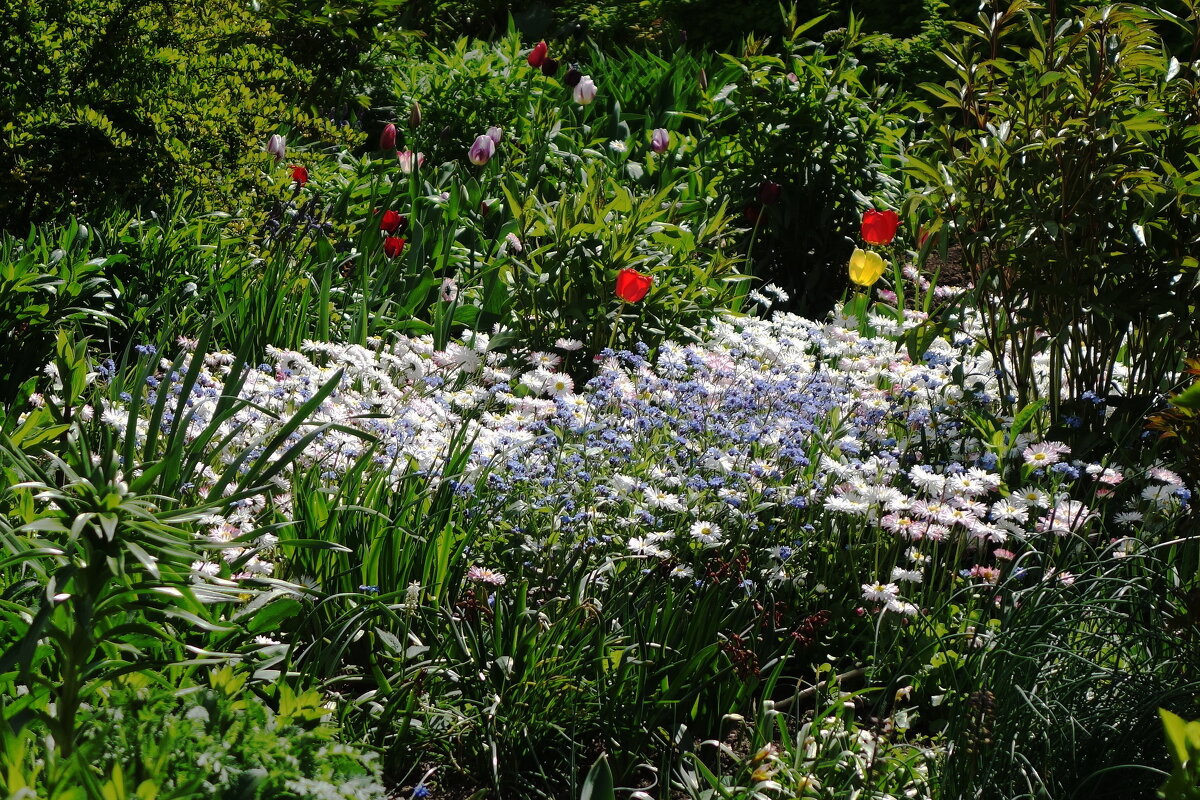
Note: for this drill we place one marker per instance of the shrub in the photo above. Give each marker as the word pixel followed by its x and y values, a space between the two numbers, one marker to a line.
pixel 808 122
pixel 131 100
pixel 219 738
pixel 1062 169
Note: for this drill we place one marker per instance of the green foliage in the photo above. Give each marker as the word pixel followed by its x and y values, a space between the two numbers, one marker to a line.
pixel 98 588
pixel 47 283
pixel 566 650
pixel 1065 170
pixel 1179 423
pixel 907 60
pixel 132 100
pixel 829 755
pixel 144 739
pixel 1183 743
pixel 1048 690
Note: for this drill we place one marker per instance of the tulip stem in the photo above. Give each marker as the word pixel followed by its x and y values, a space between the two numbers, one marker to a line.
pixel 612 335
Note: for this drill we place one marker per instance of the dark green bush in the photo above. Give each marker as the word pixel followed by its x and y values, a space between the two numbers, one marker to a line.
pixel 809 122
pixel 132 100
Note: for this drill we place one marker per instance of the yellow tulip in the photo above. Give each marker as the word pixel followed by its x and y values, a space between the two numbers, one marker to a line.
pixel 866 267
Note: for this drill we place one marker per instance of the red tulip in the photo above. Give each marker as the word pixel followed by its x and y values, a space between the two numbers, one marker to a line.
pixel 538 55
pixel 393 246
pixel 392 221
pixel 632 285
pixel 879 227
pixel 768 193
pixel 751 213
pixel 299 175
pixel 387 139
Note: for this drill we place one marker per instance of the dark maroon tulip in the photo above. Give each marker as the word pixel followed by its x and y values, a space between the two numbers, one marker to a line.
pixel 768 193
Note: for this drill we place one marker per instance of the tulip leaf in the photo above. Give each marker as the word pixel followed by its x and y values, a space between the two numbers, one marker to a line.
pixel 1189 398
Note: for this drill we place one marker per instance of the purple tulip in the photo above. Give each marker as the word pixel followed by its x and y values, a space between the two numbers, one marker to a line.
pixel 277 146
pixel 571 79
pixel 494 133
pixel 482 151
pixel 660 141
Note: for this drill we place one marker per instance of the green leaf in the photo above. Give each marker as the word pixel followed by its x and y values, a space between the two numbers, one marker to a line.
pixel 269 618
pixel 1189 398
pixel 1176 730
pixel 599 782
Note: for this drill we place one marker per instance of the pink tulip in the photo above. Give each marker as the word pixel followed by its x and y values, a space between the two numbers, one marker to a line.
pixel 387 139
pixel 409 160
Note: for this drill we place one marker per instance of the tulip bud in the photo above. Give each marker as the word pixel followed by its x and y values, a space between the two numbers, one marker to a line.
pixel 660 140
pixel 571 79
pixel 768 193
pixel 703 81
pixel 393 246
pixel 392 221
pixel 410 160
pixel 537 56
pixel 387 139
pixel 549 67
pixel 494 133
pixel 414 115
pixel 585 90
pixel 482 150
pixel 277 146
pixel 866 267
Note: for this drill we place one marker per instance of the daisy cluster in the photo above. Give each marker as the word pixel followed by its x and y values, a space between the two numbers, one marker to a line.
pixel 729 456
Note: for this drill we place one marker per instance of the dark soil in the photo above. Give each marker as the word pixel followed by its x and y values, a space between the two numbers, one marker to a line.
pixel 951 270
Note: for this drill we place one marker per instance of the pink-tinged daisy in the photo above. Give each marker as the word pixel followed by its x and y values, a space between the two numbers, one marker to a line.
pixel 1043 454
pixel 486 576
